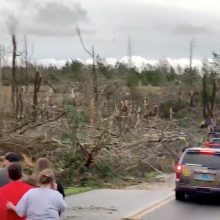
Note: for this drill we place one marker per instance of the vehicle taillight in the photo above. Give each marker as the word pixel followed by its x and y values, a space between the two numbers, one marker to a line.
pixel 207 144
pixel 207 151
pixel 178 171
pixel 212 145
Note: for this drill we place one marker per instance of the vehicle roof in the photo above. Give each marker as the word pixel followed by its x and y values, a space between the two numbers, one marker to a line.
pixel 203 148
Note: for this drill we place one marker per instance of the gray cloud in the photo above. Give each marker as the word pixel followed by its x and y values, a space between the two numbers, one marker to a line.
pixel 157 27
pixel 56 31
pixel 189 29
pixel 58 13
pixel 23 3
pixel 45 18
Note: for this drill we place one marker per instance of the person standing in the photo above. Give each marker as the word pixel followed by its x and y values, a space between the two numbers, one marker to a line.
pixel 15 189
pixel 44 202
pixel 40 165
pixel 9 158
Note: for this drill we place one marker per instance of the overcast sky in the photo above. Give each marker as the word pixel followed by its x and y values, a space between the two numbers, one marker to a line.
pixel 157 28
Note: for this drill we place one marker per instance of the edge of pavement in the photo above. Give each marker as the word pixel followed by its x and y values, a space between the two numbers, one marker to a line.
pixel 137 215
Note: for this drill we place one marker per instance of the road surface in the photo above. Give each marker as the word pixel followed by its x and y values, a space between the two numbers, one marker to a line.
pixel 111 204
pixel 147 202
pixel 115 204
pixel 198 208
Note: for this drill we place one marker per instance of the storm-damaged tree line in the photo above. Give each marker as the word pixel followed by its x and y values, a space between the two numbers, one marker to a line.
pixel 204 82
pixel 102 120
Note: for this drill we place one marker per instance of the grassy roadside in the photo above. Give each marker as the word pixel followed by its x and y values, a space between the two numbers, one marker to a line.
pixel 76 190
pixel 117 183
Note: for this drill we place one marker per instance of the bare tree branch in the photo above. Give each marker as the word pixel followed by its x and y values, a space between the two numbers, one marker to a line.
pixel 78 31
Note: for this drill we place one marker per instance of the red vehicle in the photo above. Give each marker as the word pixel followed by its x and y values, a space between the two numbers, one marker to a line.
pixel 213 143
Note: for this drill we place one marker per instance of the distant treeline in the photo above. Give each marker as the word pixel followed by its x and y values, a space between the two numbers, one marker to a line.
pixel 76 71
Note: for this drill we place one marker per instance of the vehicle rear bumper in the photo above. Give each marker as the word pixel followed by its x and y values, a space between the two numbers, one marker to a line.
pixel 196 189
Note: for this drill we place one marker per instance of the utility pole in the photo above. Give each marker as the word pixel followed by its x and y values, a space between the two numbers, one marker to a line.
pixel 129 52
pixel 192 46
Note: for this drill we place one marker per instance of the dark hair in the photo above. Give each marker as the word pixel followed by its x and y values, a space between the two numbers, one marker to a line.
pixel 46 177
pixel 13 157
pixel 15 171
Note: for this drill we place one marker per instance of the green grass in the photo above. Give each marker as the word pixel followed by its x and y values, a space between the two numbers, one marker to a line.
pixel 152 89
pixel 76 190
pixel 150 175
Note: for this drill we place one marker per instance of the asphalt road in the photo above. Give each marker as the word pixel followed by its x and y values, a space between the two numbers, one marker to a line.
pixel 197 208
pixel 110 204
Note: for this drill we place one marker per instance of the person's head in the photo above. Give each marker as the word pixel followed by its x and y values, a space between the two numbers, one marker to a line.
pixel 11 157
pixel 42 164
pixel 46 177
pixel 15 171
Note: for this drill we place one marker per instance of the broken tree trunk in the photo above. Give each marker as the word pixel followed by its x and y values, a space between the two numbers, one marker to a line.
pixel 37 83
pixel 14 80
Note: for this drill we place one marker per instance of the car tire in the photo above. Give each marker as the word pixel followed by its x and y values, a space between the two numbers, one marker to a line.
pixel 180 196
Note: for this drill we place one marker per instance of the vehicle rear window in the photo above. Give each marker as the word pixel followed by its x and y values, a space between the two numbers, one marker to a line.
pixel 206 160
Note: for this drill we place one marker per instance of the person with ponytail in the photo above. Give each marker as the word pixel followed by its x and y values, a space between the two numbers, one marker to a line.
pixel 40 165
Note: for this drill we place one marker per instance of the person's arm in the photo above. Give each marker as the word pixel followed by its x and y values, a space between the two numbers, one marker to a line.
pixel 61 203
pixel 21 207
pixel 10 206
